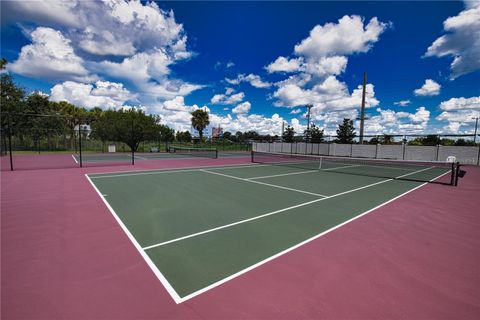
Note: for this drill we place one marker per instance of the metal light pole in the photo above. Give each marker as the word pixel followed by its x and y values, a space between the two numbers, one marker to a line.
pixel 309 107
pixel 476 125
pixel 362 112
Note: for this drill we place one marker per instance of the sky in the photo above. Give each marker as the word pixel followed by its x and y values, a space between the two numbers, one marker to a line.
pixel 255 65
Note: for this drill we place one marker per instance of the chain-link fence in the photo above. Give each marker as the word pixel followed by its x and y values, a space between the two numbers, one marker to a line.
pixel 47 141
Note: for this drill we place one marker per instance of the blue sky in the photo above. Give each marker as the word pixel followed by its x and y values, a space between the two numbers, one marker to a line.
pixel 254 65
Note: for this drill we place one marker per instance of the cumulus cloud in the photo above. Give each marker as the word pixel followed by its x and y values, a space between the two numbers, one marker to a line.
pixel 253 79
pixel 296 111
pixel 228 98
pixel 429 88
pixel 389 121
pixel 461 41
pixel 380 121
pixel 402 103
pixel 461 103
pixel 146 40
pixel 283 64
pixel 139 67
pixel 176 114
pixel 348 36
pixel 107 27
pixel 104 94
pixel 320 58
pixel 328 95
pixel 242 122
pixel 242 108
pixel 459 113
pixel 50 56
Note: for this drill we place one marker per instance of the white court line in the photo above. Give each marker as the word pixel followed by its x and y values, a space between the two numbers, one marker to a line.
pixel 281 175
pixel 186 169
pixel 239 273
pixel 141 158
pixel 276 211
pixel 74 159
pixel 344 167
pixel 264 183
pixel 175 296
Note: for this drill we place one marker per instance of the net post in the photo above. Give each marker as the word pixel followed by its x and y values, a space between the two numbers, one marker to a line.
pixel 133 152
pixel 251 156
pixel 216 153
pixel 457 171
pixel 320 163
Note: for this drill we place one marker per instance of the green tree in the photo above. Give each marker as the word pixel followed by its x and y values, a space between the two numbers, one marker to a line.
pixel 227 135
pixel 346 131
pixel 251 135
pixel 200 121
pixel 374 140
pixel 3 63
pixel 288 134
pixel 128 126
pixel 463 142
pixel 103 127
pixel 316 134
pixel 430 140
pixel 386 139
pixel 239 136
pixel 12 96
pixel 447 142
pixel 74 117
pixel 167 134
pixel 39 120
pixel 94 114
pixel 184 136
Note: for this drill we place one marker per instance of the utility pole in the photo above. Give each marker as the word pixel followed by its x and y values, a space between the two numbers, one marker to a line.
pixel 309 107
pixel 362 112
pixel 283 129
pixel 476 125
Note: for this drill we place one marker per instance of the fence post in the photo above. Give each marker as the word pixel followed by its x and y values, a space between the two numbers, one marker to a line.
pixel 10 142
pixel 376 150
pixel 80 143
pixel 478 158
pixel 437 152
pixel 351 149
pixel 403 153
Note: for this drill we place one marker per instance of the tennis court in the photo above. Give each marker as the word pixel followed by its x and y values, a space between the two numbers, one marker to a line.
pixel 199 227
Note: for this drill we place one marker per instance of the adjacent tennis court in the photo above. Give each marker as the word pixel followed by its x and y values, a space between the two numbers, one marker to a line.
pixel 199 227
pixel 175 153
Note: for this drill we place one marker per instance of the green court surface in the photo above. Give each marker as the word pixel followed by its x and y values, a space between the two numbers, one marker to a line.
pixel 197 228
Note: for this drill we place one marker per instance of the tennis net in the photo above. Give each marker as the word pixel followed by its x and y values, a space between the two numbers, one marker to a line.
pixel 195 152
pixel 422 171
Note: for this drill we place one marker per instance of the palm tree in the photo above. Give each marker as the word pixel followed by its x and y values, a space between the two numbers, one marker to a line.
pixel 200 121
pixel 74 116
